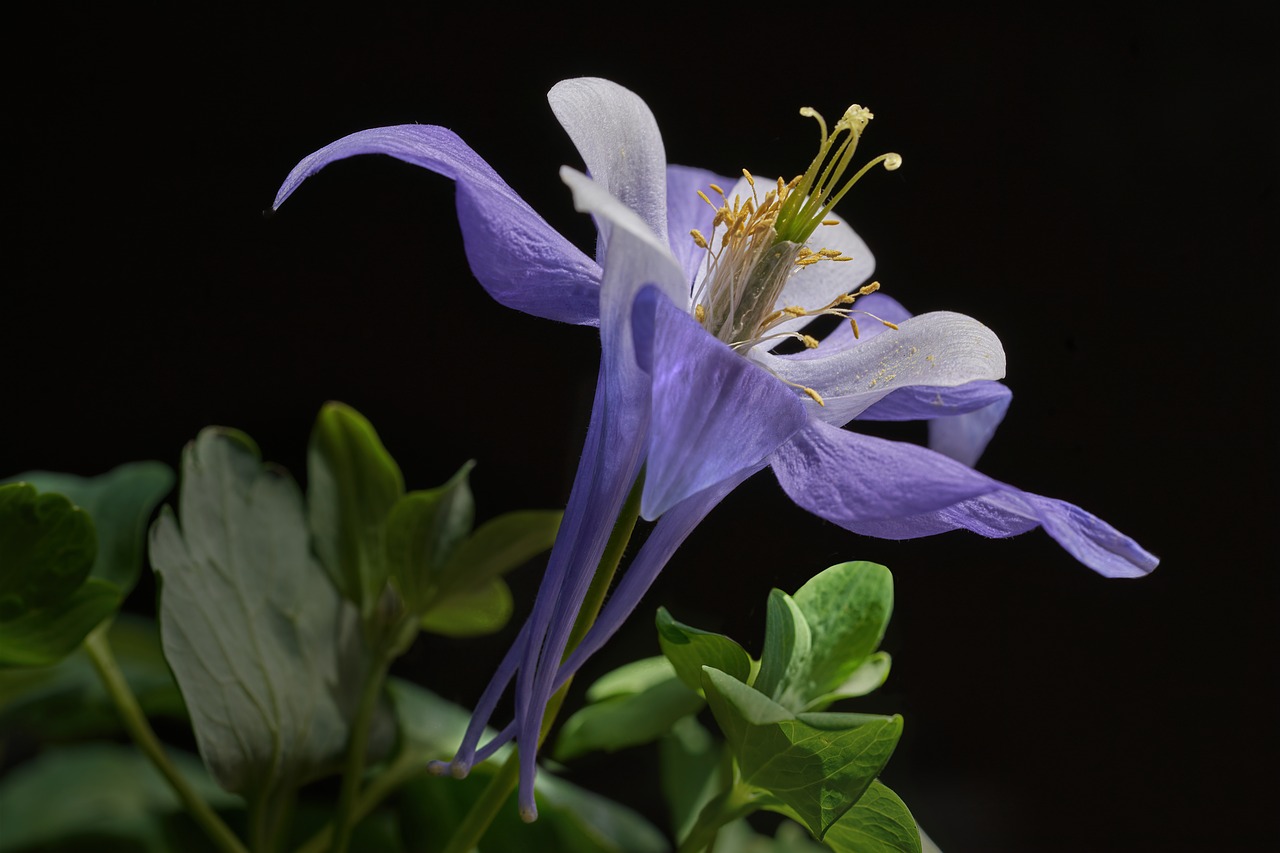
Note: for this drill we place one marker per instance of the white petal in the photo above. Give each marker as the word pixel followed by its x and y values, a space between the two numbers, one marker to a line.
pixel 941 349
pixel 639 257
pixel 619 141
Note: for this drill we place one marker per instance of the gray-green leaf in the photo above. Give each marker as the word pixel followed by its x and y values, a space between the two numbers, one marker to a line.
pixel 261 644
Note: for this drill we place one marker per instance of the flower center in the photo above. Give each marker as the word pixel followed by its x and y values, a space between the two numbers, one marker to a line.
pixel 763 241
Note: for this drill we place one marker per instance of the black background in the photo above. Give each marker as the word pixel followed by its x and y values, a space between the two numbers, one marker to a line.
pixel 1095 187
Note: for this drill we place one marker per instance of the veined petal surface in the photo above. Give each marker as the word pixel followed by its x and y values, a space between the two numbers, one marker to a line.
pixel 686 211
pixel 618 138
pixel 517 256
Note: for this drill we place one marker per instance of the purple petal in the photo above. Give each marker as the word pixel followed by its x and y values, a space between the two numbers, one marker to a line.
pixel 900 491
pixel 714 413
pixel 619 141
pixel 687 211
pixel 520 260
pixel 965 436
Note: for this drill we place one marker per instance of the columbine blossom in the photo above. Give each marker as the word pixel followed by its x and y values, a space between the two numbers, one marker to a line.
pixel 692 296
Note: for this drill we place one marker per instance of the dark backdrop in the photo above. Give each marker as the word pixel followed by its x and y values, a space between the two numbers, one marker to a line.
pixel 1096 188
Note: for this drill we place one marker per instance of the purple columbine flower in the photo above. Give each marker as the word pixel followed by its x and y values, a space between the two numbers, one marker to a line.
pixel 692 296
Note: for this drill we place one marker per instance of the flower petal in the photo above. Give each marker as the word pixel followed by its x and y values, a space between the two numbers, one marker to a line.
pixel 714 414
pixel 686 211
pixel 520 260
pixel 893 490
pixel 962 419
pixel 619 141
pixel 965 436
pixel 868 310
pixel 940 349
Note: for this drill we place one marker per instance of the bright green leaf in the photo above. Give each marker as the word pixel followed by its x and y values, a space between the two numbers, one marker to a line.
pixel 500 545
pixel 423 530
pixel 103 791
pixel 471 612
pixel 120 502
pixel 818 764
pixel 352 483
pixel 690 649
pixel 265 651
pixel 47 547
pixel 878 823
pixel 627 720
pixel 786 650
pixel 847 608
pixel 46 636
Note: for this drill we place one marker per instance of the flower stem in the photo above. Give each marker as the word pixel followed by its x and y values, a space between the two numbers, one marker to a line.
pixel 357 746
pixel 135 722
pixel 501 786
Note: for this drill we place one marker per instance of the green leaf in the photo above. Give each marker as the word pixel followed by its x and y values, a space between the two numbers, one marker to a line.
pixel 690 760
pixel 424 529
pixel 99 794
pixel 878 823
pixel 120 502
pixel 471 612
pixel 352 484
pixel 46 636
pixel 818 764
pixel 570 819
pixel 847 608
pixel 500 545
pixel 67 700
pixel 690 649
pixel 787 642
pixel 262 646
pixel 630 678
pixel 47 545
pixel 628 719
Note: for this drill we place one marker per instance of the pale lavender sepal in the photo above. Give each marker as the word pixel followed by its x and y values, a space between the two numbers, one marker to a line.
pixel 686 211
pixel 517 256
pixel 892 490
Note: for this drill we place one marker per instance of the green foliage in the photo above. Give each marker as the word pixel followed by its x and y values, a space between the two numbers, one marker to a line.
pixel 818 764
pixel 92 797
pixel 423 531
pixel 690 649
pixel 878 823
pixel 694 770
pixel 634 705
pixel 48 545
pixel 262 645
pixel 352 484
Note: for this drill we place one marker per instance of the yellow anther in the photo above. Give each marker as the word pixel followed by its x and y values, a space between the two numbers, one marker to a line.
pixel 893 326
pixel 716 189
pixel 698 239
pixel 809 341
pixel 854 325
pixel 700 314
pixel 830 253
pixel 842 258
pixel 843 299
pixel 831 222
pixel 815 396
pixel 747 175
pixel 804 262
pixel 703 196
pixel 868 289
pixel 795 311
pixel 804 252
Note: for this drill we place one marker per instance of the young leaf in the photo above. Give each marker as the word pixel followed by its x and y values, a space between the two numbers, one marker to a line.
pixel 629 719
pixel 873 672
pixel 847 608
pixel 352 483
pixel 786 650
pixel 631 678
pixel 817 764
pixel 48 546
pixel 690 649
pixel 471 612
pixel 423 530
pixel 690 760
pixel 258 638
pixel 120 502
